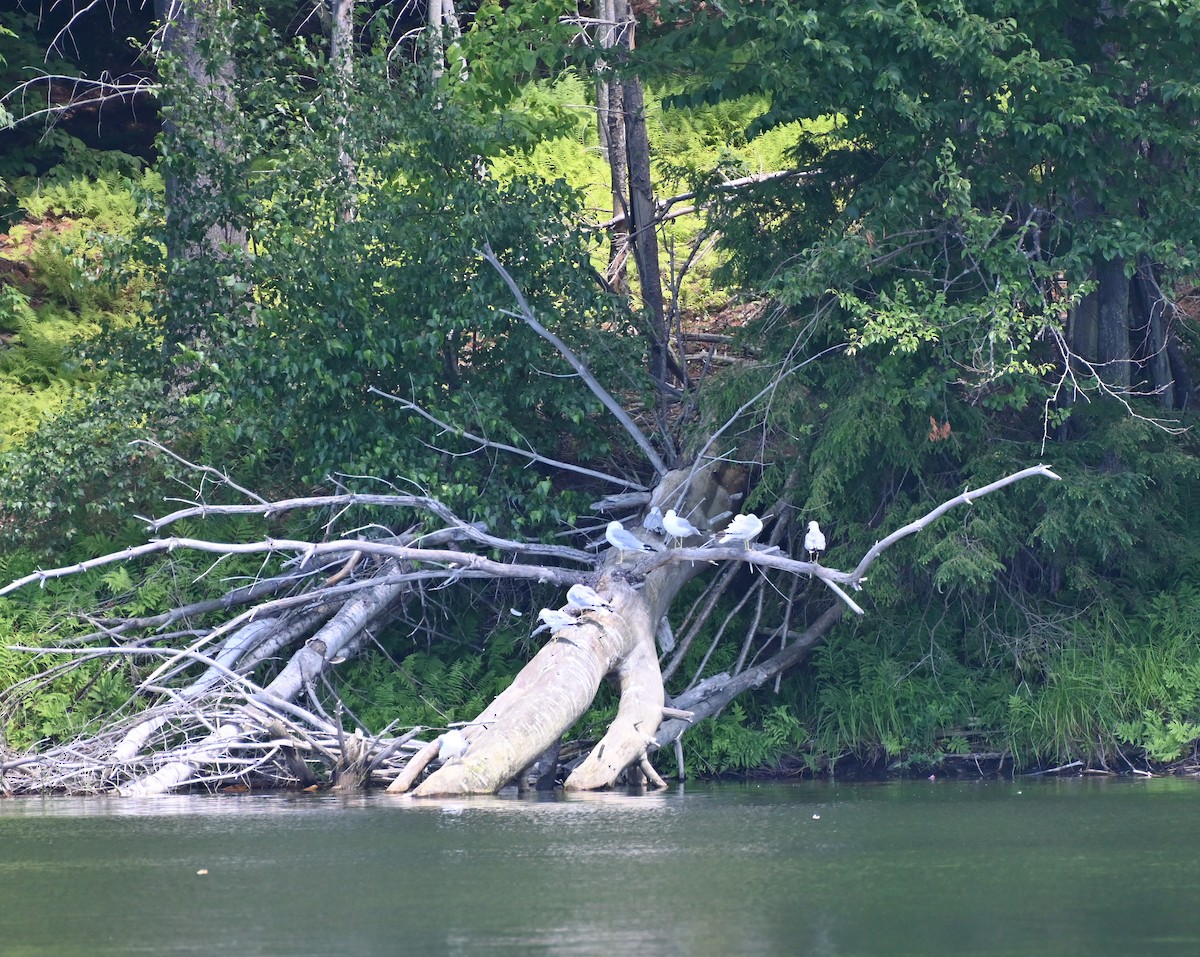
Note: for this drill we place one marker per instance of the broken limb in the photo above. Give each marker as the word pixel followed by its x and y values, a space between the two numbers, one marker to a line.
pixel 504 447
pixel 526 313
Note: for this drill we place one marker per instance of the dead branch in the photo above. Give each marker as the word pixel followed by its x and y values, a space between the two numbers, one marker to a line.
pixel 526 313
pixel 503 447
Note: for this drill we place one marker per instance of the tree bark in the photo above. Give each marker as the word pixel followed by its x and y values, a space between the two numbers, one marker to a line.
pixel 1152 308
pixel 1113 322
pixel 622 118
pixel 341 58
pixel 610 119
pixel 643 223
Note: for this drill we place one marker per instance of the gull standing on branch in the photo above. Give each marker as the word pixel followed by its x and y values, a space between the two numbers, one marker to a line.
pixel 678 527
pixel 581 596
pixel 814 541
pixel 742 528
pixel 554 620
pixel 623 540
pixel 653 522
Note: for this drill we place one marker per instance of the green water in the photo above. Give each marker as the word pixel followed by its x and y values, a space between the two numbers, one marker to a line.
pixel 911 868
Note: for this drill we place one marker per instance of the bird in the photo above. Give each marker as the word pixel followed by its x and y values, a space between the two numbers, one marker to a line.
pixel 623 540
pixel 581 596
pixel 553 619
pixel 452 744
pixel 742 528
pixel 653 522
pixel 814 541
pixel 678 527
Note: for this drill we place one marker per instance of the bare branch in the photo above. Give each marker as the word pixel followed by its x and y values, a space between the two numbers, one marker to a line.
pixel 582 370
pixel 456 563
pixel 664 205
pixel 464 529
pixel 489 443
pixel 927 519
pixel 221 477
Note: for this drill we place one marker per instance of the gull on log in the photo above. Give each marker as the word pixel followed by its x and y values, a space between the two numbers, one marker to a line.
pixel 678 527
pixel 452 744
pixel 742 529
pixel 553 619
pixel 582 596
pixel 623 540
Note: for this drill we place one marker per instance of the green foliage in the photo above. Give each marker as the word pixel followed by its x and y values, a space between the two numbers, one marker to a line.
pixel 510 45
pixel 979 161
pixel 744 739
pixel 431 687
pixel 37 711
pixel 67 282
pixel 49 699
pixel 79 472
pixel 395 297
pixel 939 232
pixel 99 193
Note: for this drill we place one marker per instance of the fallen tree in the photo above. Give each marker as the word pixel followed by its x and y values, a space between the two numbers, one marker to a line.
pixel 223 726
pixel 210 719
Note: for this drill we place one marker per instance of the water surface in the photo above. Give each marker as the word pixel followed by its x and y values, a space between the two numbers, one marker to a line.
pixel 904 868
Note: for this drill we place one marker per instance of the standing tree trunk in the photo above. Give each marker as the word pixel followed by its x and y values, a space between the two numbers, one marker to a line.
pixel 202 224
pixel 610 117
pixel 341 57
pixel 442 20
pixel 633 192
pixel 1113 322
pixel 1153 310
pixel 643 220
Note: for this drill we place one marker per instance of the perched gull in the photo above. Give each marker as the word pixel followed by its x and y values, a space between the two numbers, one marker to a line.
pixel 814 541
pixel 678 527
pixel 553 619
pixel 653 522
pixel 742 529
pixel 581 596
pixel 452 744
pixel 623 540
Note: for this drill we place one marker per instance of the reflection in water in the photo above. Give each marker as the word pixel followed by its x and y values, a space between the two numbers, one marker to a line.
pixel 915 868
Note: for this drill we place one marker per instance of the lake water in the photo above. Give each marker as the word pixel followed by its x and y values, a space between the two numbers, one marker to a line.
pixel 921 868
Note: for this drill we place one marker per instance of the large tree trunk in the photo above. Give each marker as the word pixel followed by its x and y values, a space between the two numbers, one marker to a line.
pixel 1153 311
pixel 1113 322
pixel 610 119
pixel 622 118
pixel 559 684
pixel 341 57
pixel 202 226
pixel 643 224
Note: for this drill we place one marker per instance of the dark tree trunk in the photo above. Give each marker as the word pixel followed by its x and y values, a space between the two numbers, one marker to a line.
pixel 1113 322
pixel 1151 307
pixel 643 220
pixel 632 185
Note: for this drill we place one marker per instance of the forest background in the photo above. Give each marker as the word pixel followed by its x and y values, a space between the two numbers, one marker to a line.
pixel 946 240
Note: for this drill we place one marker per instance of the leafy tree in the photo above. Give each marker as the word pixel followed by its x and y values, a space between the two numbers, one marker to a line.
pixel 988 167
